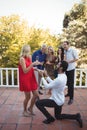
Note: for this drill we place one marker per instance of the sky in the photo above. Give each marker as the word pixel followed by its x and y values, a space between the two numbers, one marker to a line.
pixel 45 14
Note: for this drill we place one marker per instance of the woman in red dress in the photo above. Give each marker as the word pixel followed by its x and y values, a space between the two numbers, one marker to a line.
pixel 27 80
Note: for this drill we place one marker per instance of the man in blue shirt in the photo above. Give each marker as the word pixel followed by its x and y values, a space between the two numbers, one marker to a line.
pixel 40 55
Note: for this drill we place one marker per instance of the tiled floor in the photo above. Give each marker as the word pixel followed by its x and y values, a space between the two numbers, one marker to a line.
pixel 11 108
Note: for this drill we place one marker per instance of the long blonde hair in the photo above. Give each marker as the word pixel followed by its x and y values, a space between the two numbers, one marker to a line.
pixel 25 51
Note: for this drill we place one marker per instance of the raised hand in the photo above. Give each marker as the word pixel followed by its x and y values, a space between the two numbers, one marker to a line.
pixel 45 73
pixel 41 72
pixel 36 63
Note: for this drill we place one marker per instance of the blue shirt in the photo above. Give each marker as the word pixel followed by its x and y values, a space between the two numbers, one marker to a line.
pixel 41 58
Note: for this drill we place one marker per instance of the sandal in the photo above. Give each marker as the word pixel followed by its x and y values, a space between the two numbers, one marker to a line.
pixel 26 114
pixel 31 112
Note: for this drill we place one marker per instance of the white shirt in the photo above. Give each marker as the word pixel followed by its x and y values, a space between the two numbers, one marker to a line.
pixel 57 87
pixel 71 54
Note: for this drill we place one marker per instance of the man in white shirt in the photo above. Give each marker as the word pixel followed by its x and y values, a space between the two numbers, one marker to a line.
pixel 57 98
pixel 71 58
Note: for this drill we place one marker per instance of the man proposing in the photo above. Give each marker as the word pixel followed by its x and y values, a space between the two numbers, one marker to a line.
pixel 57 98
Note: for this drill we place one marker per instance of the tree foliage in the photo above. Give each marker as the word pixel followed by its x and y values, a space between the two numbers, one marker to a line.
pixel 14 33
pixel 75 28
pixel 12 36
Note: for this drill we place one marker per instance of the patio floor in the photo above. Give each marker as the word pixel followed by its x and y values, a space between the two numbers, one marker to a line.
pixel 11 118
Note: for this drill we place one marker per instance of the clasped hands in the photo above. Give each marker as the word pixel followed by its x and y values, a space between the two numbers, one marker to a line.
pixel 42 73
pixel 36 63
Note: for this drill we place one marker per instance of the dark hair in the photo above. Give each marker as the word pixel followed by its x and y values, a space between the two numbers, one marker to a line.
pixel 62 55
pixel 64 65
pixel 66 42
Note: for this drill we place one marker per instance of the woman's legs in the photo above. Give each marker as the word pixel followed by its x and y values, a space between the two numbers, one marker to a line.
pixel 35 96
pixel 26 100
pixel 39 81
pixel 25 103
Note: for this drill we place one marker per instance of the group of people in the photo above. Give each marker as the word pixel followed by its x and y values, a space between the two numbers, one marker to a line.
pixel 55 72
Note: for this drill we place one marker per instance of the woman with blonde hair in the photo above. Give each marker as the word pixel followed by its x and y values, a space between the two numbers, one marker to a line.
pixel 49 64
pixel 27 80
pixel 50 60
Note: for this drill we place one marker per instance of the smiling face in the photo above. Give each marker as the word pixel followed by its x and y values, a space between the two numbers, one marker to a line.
pixel 26 50
pixel 65 45
pixel 44 48
pixel 60 51
pixel 50 50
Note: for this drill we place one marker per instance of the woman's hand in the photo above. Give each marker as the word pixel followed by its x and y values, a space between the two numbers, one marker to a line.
pixel 41 72
pixel 35 63
pixel 48 62
pixel 45 73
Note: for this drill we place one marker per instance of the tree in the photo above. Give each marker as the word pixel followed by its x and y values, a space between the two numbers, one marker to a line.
pixel 14 33
pixel 76 31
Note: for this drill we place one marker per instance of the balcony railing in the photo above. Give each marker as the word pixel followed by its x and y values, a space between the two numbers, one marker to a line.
pixel 9 77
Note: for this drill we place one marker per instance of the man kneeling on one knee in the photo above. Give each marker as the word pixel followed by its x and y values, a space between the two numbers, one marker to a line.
pixel 57 97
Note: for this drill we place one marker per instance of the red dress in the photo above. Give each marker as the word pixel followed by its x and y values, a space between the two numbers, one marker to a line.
pixel 27 81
